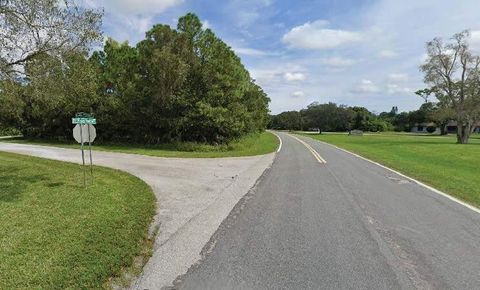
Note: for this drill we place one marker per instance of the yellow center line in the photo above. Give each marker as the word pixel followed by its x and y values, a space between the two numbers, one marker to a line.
pixel 315 153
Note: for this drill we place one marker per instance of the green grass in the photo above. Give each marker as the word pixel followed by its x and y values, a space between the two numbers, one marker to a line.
pixel 56 234
pixel 254 144
pixel 434 160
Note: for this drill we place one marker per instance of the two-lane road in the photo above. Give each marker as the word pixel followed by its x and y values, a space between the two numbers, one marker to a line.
pixel 343 223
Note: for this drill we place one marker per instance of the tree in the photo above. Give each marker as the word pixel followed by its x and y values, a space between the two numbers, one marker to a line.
pixel 424 94
pixel 57 89
pixel 441 115
pixel 290 120
pixel 367 121
pixel 401 122
pixel 32 28
pixel 118 78
pixel 328 117
pixel 423 114
pixel 11 104
pixel 453 73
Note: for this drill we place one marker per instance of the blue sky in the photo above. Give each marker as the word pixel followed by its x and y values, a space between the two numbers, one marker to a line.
pixel 363 52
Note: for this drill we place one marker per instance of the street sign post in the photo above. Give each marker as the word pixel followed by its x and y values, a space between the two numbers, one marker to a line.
pixel 84 131
pixel 83 121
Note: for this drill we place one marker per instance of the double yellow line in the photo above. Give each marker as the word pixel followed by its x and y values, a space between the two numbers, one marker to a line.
pixel 315 153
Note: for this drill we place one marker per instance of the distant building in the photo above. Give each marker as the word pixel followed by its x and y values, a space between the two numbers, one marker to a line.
pixel 451 127
pixel 422 128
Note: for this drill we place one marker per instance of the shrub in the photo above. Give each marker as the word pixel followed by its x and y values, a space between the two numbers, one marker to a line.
pixel 9 131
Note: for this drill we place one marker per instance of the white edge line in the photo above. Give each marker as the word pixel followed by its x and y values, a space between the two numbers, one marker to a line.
pixel 279 139
pixel 407 177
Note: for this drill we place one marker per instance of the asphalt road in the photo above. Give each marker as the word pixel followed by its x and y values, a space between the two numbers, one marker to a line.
pixel 343 224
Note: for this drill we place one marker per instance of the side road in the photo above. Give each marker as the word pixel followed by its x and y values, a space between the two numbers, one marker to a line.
pixel 193 198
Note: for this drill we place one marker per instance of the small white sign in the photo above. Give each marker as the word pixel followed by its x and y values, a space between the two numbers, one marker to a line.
pixel 85 133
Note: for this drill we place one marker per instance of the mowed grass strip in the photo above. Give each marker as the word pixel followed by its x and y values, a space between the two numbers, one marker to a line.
pixel 250 145
pixel 434 160
pixel 57 235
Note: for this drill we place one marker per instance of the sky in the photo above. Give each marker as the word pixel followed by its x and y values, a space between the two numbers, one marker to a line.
pixel 352 52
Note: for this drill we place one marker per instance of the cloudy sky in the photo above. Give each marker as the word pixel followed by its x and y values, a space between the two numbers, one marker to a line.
pixel 353 52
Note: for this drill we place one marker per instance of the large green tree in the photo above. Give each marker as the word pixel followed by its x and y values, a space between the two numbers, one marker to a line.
pixel 328 117
pixel 453 72
pixel 55 91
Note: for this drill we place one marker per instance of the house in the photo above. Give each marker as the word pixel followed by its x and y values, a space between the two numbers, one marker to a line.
pixel 422 128
pixel 451 127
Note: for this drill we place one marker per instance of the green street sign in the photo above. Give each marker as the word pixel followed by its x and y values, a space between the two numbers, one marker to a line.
pixel 83 121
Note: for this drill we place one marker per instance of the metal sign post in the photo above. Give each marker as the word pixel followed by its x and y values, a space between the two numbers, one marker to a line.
pixel 85 131
pixel 83 156
pixel 90 148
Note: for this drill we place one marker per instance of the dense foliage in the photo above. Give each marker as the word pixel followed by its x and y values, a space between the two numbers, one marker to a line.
pixel 181 84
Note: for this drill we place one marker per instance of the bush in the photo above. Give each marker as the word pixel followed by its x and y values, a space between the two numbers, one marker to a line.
pixel 10 132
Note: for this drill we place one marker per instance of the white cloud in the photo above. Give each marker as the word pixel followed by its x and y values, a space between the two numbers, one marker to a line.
pixel 366 86
pixel 275 74
pixel 337 61
pixel 129 20
pixel 398 77
pixel 475 41
pixel 394 89
pixel 249 51
pixel 315 35
pixel 294 76
pixel 397 84
pixel 387 53
pixel 265 76
pixel 422 58
pixel 298 94
pixel 206 24
pixel 247 18
pixel 266 2
pixel 246 13
pixel 144 7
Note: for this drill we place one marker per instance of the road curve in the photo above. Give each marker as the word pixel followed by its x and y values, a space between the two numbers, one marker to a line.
pixel 340 224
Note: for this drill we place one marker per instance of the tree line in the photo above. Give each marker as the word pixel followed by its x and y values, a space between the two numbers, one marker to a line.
pixel 182 84
pixel 341 118
pixel 331 117
pixel 328 117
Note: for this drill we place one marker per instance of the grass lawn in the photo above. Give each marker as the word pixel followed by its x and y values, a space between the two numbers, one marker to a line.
pixel 434 160
pixel 254 144
pixel 55 234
